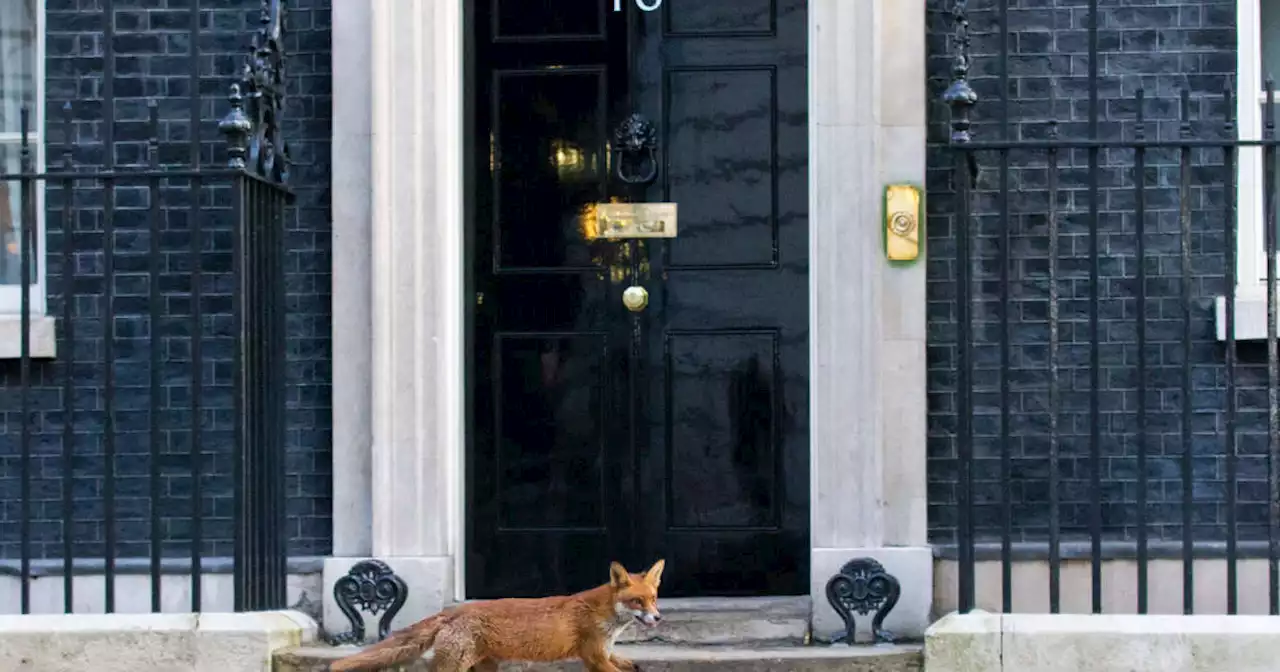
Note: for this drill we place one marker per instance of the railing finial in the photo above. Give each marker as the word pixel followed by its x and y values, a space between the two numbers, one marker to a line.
pixel 959 95
pixel 255 125
pixel 236 126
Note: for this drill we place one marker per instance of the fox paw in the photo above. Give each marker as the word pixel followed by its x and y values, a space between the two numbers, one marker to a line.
pixel 623 664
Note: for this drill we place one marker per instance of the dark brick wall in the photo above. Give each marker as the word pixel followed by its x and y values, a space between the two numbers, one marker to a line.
pixel 152 46
pixel 1161 47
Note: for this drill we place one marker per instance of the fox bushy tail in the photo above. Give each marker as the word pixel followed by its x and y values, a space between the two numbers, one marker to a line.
pixel 398 648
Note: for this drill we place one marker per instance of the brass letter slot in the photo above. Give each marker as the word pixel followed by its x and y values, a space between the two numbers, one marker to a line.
pixel 636 220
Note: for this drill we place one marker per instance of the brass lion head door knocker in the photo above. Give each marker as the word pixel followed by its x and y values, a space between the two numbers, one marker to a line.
pixel 635 144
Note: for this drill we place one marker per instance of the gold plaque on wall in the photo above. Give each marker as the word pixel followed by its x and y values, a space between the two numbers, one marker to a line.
pixel 902 219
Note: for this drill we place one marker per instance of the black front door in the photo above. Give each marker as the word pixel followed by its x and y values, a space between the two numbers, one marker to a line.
pixel 681 430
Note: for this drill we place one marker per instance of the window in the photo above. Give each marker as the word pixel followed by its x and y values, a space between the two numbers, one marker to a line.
pixel 21 85
pixel 1257 57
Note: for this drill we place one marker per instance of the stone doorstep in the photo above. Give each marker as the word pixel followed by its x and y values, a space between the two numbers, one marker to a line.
pixel 750 621
pixel 673 658
pixel 1026 642
pixel 727 621
pixel 199 642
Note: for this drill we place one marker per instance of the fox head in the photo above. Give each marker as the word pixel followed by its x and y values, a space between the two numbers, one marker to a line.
pixel 636 595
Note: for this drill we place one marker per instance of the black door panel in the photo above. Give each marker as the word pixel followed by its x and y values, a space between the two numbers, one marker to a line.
pixel 680 431
pixel 727 403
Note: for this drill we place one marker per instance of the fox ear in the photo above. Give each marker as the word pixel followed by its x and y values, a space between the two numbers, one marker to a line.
pixel 653 577
pixel 618 576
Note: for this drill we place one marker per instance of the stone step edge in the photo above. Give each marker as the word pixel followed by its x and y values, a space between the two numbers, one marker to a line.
pixel 728 621
pixel 751 621
pixel 797 606
pixel 786 604
pixel 669 652
pixel 880 658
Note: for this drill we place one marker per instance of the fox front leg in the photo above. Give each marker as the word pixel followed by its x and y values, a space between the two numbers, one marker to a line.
pixel 623 664
pixel 601 661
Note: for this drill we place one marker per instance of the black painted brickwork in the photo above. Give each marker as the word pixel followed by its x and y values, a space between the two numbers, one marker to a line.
pixel 1161 46
pixel 152 43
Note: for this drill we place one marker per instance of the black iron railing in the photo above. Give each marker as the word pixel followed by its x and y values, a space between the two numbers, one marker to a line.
pixel 1134 401
pixel 166 280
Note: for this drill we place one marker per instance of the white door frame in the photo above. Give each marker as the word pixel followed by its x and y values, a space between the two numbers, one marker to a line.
pixel 398 313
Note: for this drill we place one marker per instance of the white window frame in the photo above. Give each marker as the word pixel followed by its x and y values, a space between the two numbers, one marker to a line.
pixel 1251 261
pixel 42 341
pixel 11 295
pixel 1250 243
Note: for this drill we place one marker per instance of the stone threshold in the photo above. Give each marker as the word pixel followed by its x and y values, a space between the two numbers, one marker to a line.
pixel 757 621
pixel 678 658
pixel 701 621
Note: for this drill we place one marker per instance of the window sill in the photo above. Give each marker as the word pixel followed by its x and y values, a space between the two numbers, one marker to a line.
pixel 1251 315
pixel 44 339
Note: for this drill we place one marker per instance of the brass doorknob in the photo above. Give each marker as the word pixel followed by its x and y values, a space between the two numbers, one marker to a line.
pixel 635 298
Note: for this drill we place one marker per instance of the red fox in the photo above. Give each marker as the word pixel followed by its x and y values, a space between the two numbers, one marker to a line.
pixel 479 635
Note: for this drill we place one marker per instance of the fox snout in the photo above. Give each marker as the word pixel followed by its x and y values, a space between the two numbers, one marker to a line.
pixel 646 616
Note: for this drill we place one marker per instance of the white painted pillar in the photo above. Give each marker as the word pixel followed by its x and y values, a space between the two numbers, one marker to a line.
pixel 867 318
pixel 402 386
pixel 398 353
pixel 352 289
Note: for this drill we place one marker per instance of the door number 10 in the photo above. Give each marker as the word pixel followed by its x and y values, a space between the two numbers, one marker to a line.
pixel 644 5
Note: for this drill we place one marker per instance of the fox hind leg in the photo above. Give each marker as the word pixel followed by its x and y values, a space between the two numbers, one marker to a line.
pixel 485 666
pixel 448 663
pixel 453 658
